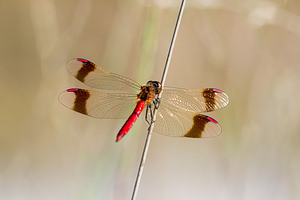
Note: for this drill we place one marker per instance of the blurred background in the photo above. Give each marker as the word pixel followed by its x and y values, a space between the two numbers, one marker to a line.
pixel 250 49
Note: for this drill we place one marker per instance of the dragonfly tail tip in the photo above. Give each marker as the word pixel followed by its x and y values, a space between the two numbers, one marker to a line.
pixel 118 138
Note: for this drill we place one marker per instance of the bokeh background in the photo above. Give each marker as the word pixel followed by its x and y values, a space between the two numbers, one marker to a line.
pixel 250 49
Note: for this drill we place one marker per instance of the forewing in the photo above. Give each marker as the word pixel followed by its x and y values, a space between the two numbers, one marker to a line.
pixel 96 77
pixel 181 123
pixel 195 100
pixel 99 104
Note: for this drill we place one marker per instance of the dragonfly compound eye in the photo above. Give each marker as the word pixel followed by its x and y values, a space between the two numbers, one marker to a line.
pixel 156 85
pixel 158 88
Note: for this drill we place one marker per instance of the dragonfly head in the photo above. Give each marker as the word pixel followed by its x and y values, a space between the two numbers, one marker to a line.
pixel 155 85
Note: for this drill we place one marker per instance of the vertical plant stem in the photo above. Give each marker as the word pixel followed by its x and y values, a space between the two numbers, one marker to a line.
pixel 147 142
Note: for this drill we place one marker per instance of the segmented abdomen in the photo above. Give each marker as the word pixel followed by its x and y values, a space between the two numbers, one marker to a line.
pixel 130 121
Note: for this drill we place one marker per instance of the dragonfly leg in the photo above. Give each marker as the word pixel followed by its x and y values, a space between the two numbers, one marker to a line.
pixel 148 109
pixel 151 112
pixel 156 103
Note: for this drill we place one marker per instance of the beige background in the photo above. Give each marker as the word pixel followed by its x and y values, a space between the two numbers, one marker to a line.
pixel 250 49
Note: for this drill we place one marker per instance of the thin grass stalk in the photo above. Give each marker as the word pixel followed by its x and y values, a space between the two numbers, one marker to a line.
pixel 166 68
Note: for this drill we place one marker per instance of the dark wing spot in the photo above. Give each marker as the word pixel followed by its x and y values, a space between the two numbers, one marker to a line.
pixel 196 131
pixel 209 96
pixel 86 68
pixel 80 102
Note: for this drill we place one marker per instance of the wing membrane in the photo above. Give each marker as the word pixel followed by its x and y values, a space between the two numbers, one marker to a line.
pixel 97 77
pixel 99 104
pixel 181 123
pixel 195 100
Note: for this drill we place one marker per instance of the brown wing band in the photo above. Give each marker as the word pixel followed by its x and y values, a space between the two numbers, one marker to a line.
pixel 209 96
pixel 86 68
pixel 196 131
pixel 80 102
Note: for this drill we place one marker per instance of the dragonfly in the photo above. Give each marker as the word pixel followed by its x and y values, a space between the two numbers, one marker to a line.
pixel 117 97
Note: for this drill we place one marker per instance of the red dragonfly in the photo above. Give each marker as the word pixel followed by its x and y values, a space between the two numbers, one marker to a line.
pixel 179 109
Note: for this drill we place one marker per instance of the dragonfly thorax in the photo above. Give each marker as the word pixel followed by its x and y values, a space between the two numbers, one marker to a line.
pixel 149 91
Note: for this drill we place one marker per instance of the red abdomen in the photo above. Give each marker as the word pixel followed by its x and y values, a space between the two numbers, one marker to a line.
pixel 130 121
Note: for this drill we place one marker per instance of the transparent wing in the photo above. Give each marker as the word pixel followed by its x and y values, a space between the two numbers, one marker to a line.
pixel 195 100
pixel 96 77
pixel 181 123
pixel 99 104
